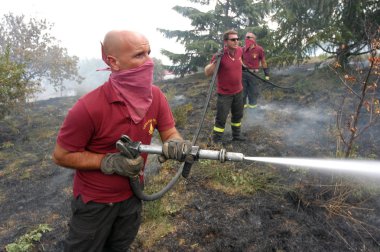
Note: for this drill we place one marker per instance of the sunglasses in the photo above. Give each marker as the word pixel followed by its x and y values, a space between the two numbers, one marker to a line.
pixel 248 37
pixel 233 39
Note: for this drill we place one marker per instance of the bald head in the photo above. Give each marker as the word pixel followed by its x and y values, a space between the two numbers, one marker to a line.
pixel 115 41
pixel 124 48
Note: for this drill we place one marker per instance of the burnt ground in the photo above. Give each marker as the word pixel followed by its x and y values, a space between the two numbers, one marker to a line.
pixel 309 210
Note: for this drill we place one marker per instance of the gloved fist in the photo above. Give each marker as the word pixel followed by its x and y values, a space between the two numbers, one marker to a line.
pixel 219 53
pixel 176 149
pixel 266 73
pixel 120 164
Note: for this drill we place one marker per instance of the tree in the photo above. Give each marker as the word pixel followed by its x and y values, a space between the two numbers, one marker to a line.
pixel 360 107
pixel 31 45
pixel 159 70
pixel 206 36
pixel 12 86
pixel 334 26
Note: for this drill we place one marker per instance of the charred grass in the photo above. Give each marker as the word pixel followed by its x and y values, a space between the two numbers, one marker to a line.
pixel 232 206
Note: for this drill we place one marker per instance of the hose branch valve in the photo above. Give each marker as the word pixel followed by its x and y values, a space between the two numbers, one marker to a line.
pixel 126 144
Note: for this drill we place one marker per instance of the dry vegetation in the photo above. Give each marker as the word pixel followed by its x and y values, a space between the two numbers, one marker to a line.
pixel 231 206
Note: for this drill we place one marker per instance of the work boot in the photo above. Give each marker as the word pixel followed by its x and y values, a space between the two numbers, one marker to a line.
pixel 216 140
pixel 236 134
pixel 238 138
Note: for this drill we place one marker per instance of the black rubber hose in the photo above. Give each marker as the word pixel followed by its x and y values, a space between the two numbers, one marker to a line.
pixel 185 167
pixel 268 82
pixel 137 190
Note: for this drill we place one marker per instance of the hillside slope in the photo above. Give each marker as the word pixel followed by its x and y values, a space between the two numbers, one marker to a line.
pixel 232 206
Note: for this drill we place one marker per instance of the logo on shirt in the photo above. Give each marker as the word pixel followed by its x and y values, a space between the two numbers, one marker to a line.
pixel 150 125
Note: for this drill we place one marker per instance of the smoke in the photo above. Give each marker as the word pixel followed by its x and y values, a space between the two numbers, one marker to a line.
pixel 296 125
pixel 92 79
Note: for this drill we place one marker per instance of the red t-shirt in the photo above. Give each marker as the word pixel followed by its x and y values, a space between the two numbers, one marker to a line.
pixel 230 73
pixel 95 123
pixel 253 56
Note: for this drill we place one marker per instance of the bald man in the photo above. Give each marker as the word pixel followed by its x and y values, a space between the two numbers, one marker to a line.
pixel 106 214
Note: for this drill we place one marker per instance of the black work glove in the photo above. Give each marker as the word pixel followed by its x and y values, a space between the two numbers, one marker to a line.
pixel 176 149
pixel 120 164
pixel 266 73
pixel 218 54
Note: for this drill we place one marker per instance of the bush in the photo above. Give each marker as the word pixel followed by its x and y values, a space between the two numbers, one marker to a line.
pixel 13 89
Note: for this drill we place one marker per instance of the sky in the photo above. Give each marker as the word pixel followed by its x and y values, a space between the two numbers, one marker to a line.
pixel 80 25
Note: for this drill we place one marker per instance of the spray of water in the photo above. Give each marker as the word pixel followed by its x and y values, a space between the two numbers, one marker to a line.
pixel 369 167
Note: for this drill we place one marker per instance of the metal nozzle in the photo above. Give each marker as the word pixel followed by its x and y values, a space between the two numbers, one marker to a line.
pixel 221 155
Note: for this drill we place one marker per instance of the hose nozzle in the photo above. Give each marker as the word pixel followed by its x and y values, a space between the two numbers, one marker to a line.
pixel 220 155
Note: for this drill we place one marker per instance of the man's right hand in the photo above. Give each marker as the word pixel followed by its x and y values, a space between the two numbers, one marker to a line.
pixel 119 164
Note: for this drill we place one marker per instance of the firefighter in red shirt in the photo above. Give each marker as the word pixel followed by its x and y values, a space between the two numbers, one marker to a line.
pixel 106 215
pixel 253 56
pixel 229 88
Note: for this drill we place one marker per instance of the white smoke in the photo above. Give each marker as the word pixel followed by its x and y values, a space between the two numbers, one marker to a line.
pixel 297 125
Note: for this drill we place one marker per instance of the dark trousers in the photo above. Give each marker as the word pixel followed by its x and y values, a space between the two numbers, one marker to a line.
pixel 225 104
pixel 103 227
pixel 251 88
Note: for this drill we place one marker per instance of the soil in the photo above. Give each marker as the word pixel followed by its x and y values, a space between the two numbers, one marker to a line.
pixel 307 217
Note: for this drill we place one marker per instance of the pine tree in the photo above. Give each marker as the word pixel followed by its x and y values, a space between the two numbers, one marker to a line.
pixel 206 36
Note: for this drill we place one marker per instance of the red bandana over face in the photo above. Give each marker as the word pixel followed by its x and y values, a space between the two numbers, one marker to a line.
pixel 248 43
pixel 135 88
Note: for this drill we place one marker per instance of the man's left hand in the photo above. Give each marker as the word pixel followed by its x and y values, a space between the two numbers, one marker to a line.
pixel 266 73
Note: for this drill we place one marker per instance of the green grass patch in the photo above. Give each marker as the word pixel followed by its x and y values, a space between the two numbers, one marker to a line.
pixel 232 180
pixel 28 241
pixel 152 231
pixel 180 114
pixel 156 214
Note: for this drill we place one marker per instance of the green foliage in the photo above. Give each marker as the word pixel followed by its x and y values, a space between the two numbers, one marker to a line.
pixel 339 28
pixel 12 86
pixel 206 37
pixel 26 242
pixel 7 145
pixel 31 46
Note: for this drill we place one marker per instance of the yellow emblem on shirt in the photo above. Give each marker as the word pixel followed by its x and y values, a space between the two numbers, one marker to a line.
pixel 150 125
